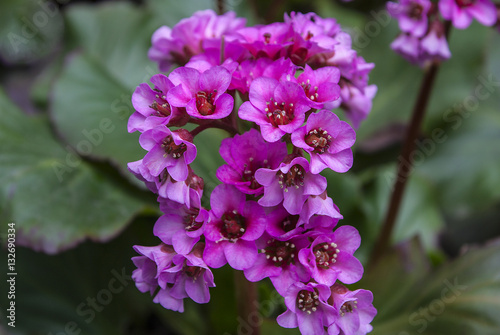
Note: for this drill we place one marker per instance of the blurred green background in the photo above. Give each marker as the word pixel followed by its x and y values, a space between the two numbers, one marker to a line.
pixel 68 70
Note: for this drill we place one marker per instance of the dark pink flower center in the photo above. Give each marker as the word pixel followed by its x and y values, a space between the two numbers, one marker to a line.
pixel 309 36
pixel 311 92
pixel 465 3
pixel 308 301
pixel 190 222
pixel 176 150
pixel 193 271
pixel 233 225
pixel 249 171
pixel 280 253
pixel 319 139
pixel 294 177
pixel 160 105
pixel 326 254
pixel 205 102
pixel 279 113
pixel 290 222
pixel 348 307
pixel 415 11
pixel 267 38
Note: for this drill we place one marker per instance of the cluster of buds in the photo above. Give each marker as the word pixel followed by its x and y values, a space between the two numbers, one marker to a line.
pixel 271 216
pixel 423 36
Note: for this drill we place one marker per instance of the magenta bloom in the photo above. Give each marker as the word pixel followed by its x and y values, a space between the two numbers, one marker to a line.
pixel 355 311
pixel 357 103
pixel 152 108
pixel 171 150
pixel 185 39
pixel 265 40
pixel 278 107
pixel 321 85
pixel 279 261
pixel 232 229
pixel 149 266
pixel 307 308
pixel 282 226
pixel 245 154
pixel 330 256
pixel 202 94
pixel 251 69
pixel 291 183
pixel 184 192
pixel 461 12
pixel 189 276
pixel 411 15
pixel 180 226
pixel 320 205
pixel 328 140
pixel 434 45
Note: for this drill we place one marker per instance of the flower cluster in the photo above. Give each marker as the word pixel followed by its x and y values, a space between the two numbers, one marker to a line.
pixel 271 217
pixel 423 37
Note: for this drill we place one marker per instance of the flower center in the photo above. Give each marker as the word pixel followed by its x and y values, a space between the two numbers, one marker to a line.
pixel 267 38
pixel 279 114
pixel 173 149
pixel 465 3
pixel 233 225
pixel 348 307
pixel 319 139
pixel 294 177
pixel 192 271
pixel 415 11
pixel 280 253
pixel 326 254
pixel 160 105
pixel 249 171
pixel 308 301
pixel 310 93
pixel 309 36
pixel 205 102
pixel 190 222
pixel 290 222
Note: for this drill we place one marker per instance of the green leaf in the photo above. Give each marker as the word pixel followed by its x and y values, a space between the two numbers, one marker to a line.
pixel 461 297
pixel 55 198
pixel 89 289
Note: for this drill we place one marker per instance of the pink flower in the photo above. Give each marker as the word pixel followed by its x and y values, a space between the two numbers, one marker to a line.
pixel 328 140
pixel 461 12
pixel 180 226
pixel 232 229
pixel 411 15
pixel 279 261
pixel 321 85
pixel 330 256
pixel 278 107
pixel 185 39
pixel 171 150
pixel 307 308
pixel 152 107
pixel 265 40
pixel 291 183
pixel 355 311
pixel 202 94
pixel 245 154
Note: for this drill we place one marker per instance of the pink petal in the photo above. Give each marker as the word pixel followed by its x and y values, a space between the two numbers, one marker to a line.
pixel 241 255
